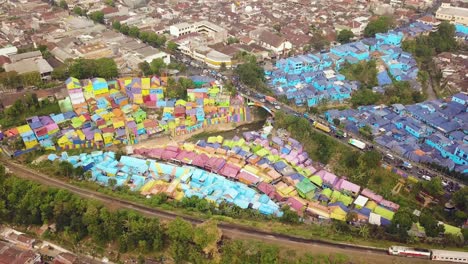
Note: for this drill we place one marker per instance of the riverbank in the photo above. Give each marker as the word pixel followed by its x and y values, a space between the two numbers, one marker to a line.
pixel 224 130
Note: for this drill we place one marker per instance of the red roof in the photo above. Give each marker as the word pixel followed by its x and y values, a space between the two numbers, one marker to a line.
pixel 4 60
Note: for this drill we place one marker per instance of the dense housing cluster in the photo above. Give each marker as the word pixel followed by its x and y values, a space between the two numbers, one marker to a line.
pixel 102 113
pixel 430 132
pixel 309 79
pixel 278 168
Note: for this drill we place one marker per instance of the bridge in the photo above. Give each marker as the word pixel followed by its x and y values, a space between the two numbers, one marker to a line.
pixel 253 102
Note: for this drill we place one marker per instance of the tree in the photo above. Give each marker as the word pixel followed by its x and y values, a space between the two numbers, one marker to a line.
pixel 364 97
pixel 318 41
pixel 345 36
pixel 364 72
pixel 430 224
pixel 134 32
pixel 97 16
pixel 82 68
pixel 460 198
pixel 434 186
pixel 222 67
pixel 110 3
pixel 232 40
pixel 289 216
pixel 171 46
pixel 64 169
pixel 206 236
pixel 370 159
pixel 180 233
pixel 78 11
pixel 401 223
pixel 112 182
pixel 381 25
pixel 145 68
pixel 63 4
pixel 157 65
pixel 229 86
pixel 10 80
pixel 106 68
pixel 250 74
pixel 124 29
pixel 277 27
pixel 116 25
pixel 182 85
pixel 31 79
pixel 60 73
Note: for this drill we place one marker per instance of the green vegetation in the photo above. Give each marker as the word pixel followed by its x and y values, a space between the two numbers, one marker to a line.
pixel 178 89
pixel 26 107
pixel 365 72
pixel 85 68
pixel 424 48
pixel 150 38
pixel 345 36
pixel 63 4
pixel 232 40
pixel 78 11
pixel 251 74
pixel 381 25
pixel 97 17
pixel 25 203
pixel 171 46
pixel 402 93
pixel 318 41
pixel 364 96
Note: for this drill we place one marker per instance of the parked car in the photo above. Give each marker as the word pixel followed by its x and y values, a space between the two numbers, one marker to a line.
pixel 427 178
pixel 277 107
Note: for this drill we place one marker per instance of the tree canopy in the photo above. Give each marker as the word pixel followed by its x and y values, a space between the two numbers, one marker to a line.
pixel 381 25
pixel 365 72
pixel 251 74
pixel 86 68
pixel 97 16
pixel 344 36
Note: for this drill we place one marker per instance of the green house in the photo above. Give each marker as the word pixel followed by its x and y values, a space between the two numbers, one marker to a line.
pixel 305 187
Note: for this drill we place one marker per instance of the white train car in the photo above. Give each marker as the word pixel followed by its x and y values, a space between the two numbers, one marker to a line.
pixel 409 252
pixel 452 256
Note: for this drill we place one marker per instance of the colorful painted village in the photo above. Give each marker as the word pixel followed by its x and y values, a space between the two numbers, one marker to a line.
pixel 429 132
pixel 253 171
pixel 311 78
pixel 101 113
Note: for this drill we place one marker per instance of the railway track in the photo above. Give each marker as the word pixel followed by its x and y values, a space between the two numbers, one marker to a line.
pixel 239 230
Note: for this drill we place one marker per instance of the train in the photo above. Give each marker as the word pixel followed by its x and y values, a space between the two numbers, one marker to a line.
pixel 432 254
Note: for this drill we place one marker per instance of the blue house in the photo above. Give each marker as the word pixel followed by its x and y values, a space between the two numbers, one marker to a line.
pixel 461 98
pixel 391 38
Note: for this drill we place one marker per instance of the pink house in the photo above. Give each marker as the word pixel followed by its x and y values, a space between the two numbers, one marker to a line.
pixel 371 195
pixel 328 178
pixel 343 184
pixel 391 205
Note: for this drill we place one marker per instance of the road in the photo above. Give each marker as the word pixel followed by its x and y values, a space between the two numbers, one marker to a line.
pixel 231 230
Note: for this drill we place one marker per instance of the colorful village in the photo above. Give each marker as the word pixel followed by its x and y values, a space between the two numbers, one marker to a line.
pixel 428 132
pixel 311 78
pixel 257 171
pixel 100 113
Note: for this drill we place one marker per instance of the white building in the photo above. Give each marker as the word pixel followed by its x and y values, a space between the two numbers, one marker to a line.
pixel 452 14
pixel 214 32
pixel 8 51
